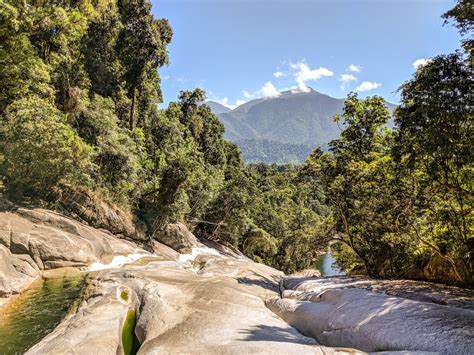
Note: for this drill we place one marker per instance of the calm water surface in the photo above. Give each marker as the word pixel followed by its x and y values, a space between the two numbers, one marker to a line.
pixel 29 317
pixel 327 265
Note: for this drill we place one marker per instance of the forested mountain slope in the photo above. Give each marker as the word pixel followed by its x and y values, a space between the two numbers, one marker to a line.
pixel 263 128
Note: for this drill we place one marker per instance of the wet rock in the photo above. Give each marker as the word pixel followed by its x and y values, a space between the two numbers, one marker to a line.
pixel 96 326
pixel 34 240
pixel 218 309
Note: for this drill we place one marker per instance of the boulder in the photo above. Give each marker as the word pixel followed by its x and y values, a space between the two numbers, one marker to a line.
pixel 218 309
pixel 370 321
pixel 84 205
pixel 414 290
pixel 37 239
pixel 178 237
pixel 15 273
pixel 438 269
pixel 307 273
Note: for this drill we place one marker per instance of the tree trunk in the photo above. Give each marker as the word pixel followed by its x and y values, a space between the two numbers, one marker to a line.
pixel 132 109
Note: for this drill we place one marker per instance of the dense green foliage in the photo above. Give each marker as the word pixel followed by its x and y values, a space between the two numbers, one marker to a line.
pixel 283 129
pixel 402 199
pixel 79 95
pixel 271 213
pixel 269 152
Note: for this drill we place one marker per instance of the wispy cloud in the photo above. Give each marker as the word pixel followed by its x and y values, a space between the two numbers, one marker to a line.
pixel 303 73
pixel 224 100
pixel 354 68
pixel 268 90
pixel 300 71
pixel 345 80
pixel 368 86
pixel 420 62
pixel 248 95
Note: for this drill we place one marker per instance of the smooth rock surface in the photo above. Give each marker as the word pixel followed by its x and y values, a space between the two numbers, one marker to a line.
pixel 84 205
pixel 211 300
pixel 35 240
pixel 212 304
pixel 371 321
pixel 178 237
pixel 414 290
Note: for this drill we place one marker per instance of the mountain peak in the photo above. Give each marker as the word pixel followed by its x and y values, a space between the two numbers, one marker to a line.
pixel 294 120
pixel 217 108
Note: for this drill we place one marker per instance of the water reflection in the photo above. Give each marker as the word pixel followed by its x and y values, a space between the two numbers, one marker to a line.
pixel 32 315
pixel 327 265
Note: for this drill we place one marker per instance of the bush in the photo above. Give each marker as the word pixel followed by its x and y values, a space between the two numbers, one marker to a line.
pixel 41 149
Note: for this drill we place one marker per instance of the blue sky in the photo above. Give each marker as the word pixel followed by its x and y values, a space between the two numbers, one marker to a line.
pixel 241 49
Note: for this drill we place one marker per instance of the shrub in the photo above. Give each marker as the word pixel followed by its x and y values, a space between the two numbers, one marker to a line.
pixel 41 149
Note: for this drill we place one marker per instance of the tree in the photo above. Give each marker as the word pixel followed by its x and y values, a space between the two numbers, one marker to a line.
pixel 23 72
pixel 101 57
pixel 435 138
pixel 141 44
pixel 463 15
pixel 117 155
pixel 361 187
pixel 41 149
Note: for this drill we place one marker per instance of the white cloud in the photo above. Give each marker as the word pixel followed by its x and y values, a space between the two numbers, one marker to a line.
pixel 292 88
pixel 165 77
pixel 278 74
pixel 304 73
pixel 420 62
pixel 268 90
pixel 225 101
pixel 367 86
pixel 354 68
pixel 346 79
pixel 248 95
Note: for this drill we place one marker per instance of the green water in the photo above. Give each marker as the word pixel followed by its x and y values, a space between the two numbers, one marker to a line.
pixel 327 265
pixel 29 317
pixel 129 339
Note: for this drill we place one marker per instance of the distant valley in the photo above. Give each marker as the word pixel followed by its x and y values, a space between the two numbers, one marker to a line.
pixel 283 129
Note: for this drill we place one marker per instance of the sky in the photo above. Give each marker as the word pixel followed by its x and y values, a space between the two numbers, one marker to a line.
pixel 238 50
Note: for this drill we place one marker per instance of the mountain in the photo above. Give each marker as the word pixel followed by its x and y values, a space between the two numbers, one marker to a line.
pixel 303 119
pixel 217 108
pixel 267 151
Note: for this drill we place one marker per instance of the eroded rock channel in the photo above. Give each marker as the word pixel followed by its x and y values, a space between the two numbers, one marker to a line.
pixel 211 299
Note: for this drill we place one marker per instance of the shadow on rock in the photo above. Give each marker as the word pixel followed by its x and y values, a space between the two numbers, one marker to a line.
pixel 278 334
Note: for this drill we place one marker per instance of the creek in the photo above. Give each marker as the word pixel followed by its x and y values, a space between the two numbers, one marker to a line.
pixel 327 265
pixel 30 316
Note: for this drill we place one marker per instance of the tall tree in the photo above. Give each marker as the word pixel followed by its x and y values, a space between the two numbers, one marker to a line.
pixel 436 131
pixel 142 45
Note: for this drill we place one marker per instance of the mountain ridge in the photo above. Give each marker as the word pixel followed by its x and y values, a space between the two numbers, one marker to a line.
pixel 302 118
